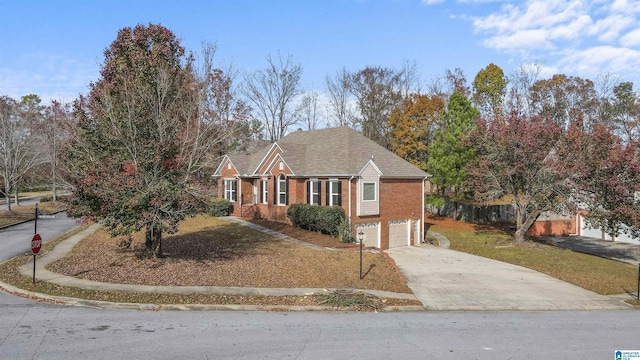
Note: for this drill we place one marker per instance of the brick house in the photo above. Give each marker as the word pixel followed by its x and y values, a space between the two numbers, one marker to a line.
pixel 380 192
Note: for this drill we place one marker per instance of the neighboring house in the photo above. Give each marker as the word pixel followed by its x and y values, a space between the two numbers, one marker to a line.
pixel 559 225
pixel 380 192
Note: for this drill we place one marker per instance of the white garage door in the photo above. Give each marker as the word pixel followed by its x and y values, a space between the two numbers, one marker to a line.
pixel 626 238
pixel 589 232
pixel 371 234
pixel 399 234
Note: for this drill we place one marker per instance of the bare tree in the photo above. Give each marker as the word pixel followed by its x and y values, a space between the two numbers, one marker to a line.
pixel 18 148
pixel 519 93
pixel 308 110
pixel 54 130
pixel 340 102
pixel 272 91
pixel 409 78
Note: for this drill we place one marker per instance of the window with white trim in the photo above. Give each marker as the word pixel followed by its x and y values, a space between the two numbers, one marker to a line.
pixel 231 190
pixel 368 191
pixel 265 191
pixel 314 192
pixel 282 190
pixel 335 196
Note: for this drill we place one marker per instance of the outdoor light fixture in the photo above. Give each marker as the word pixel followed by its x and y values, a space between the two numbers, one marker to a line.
pixel 360 237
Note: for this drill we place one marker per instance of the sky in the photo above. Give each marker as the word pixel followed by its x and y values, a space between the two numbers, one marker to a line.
pixel 55 48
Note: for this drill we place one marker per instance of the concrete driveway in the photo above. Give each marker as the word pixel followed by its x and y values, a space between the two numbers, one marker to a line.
pixel 444 279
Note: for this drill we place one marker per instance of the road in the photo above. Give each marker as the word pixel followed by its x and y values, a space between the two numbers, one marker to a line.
pixel 16 240
pixel 43 331
pixel 23 202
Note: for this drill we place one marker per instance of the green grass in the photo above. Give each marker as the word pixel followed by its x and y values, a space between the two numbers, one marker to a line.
pixel 603 276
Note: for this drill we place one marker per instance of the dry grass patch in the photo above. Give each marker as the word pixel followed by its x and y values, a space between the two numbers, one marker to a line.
pixel 593 273
pixel 212 252
pixel 27 212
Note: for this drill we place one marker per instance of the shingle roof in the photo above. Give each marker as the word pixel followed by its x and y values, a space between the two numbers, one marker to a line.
pixel 330 152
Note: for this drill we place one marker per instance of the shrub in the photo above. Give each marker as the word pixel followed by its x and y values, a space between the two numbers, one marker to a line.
pixel 219 207
pixel 325 219
pixel 344 229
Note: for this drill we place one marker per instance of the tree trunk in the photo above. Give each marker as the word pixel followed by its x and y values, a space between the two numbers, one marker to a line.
pixel 53 185
pixel 153 242
pixel 523 224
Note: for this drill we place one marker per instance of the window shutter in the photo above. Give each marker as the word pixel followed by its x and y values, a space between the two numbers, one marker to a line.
pixel 309 187
pixel 275 190
pixel 319 192
pixel 339 194
pixel 327 193
pixel 261 191
pixel 286 193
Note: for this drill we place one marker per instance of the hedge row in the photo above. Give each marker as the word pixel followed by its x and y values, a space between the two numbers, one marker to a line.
pixel 325 219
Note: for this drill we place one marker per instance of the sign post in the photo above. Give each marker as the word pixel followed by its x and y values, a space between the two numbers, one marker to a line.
pixel 36 244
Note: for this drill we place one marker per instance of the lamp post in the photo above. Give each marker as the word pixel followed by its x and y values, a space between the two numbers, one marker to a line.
pixel 360 237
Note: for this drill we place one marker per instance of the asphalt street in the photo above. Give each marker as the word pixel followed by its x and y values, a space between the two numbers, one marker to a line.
pixel 16 240
pixel 22 203
pixel 41 331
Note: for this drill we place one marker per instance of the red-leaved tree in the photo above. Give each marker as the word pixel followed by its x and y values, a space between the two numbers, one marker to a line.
pixel 516 162
pixel 604 173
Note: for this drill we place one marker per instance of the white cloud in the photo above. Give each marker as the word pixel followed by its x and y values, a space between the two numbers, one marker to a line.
pixel 522 40
pixel 588 37
pixel 51 77
pixel 600 59
pixel 631 38
pixel 432 2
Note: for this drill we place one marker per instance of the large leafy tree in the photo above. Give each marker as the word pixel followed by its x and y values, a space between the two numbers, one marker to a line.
pixel 565 98
pixel 450 151
pixel 489 90
pixel 145 134
pixel 515 160
pixel 377 92
pixel 413 127
pixel 604 172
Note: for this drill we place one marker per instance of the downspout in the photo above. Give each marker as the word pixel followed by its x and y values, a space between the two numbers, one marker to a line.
pixel 422 213
pixel 239 194
pixel 350 180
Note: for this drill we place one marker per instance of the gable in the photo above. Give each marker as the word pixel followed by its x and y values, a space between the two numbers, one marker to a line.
pixel 268 159
pixel 226 168
pixel 277 166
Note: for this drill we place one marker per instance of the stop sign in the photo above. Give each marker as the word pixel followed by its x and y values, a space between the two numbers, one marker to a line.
pixel 36 243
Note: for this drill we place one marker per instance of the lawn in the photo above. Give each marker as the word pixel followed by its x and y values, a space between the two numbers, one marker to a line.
pixel 603 276
pixel 209 251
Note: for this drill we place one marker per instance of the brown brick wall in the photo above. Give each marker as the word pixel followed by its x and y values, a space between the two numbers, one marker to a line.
pixel 399 200
pixel 553 228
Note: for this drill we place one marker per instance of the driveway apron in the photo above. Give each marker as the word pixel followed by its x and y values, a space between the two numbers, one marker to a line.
pixel 444 279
